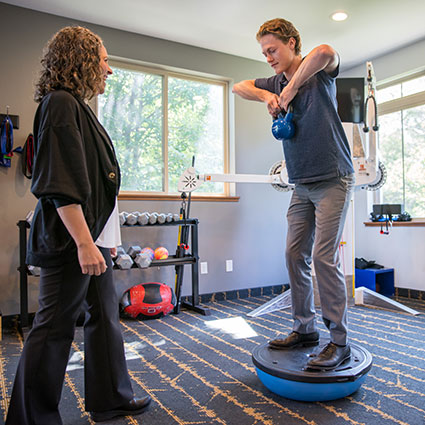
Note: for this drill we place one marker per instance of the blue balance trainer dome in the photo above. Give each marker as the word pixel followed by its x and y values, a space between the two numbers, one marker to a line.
pixel 284 372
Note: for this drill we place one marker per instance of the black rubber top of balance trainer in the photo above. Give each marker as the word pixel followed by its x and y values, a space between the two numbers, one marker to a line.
pixel 291 364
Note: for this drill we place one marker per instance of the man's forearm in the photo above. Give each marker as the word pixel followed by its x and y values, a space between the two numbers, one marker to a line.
pixel 320 58
pixel 247 90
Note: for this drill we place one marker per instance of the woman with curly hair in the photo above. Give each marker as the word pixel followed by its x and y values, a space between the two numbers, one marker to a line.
pixel 74 232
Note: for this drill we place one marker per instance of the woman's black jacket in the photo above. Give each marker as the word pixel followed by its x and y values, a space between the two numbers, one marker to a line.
pixel 74 162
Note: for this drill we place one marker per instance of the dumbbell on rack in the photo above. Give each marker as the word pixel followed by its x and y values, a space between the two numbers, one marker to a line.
pixel 153 218
pixel 123 261
pixel 134 255
pixel 145 218
pixel 133 250
pixel 132 218
pixel 123 215
pixel 144 258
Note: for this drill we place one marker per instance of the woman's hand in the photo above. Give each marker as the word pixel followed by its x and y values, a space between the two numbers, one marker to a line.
pixel 91 259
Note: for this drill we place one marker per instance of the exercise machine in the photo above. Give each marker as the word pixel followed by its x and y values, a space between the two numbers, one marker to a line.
pixel 190 180
pixel 369 170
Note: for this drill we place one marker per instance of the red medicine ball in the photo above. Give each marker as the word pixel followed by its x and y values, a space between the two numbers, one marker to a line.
pixel 148 301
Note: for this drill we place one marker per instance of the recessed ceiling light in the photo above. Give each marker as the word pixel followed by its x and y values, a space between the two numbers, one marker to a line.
pixel 339 16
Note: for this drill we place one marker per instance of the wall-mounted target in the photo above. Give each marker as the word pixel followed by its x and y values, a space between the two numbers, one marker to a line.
pixel 284 372
pixel 381 178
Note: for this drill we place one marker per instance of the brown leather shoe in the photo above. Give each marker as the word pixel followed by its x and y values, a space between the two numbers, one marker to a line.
pixel 330 357
pixel 133 407
pixel 295 339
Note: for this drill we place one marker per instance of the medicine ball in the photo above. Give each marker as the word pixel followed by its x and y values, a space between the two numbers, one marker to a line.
pixel 161 253
pixel 147 301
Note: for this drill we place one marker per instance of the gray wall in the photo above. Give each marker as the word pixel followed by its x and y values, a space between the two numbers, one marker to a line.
pixel 251 232
pixel 404 248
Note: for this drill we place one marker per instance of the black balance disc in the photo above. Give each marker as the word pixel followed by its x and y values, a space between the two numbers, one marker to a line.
pixel 284 372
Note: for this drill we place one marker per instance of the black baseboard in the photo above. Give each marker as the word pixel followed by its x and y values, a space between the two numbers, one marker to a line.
pixel 278 289
pixel 239 294
pixel 410 293
pixel 12 321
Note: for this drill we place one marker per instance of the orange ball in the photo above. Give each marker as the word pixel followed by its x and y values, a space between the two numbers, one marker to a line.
pixel 161 253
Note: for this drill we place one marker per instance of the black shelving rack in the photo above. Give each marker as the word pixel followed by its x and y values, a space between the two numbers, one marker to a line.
pixel 192 259
pixel 179 262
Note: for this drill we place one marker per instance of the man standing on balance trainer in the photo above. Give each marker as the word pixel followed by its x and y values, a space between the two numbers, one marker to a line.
pixel 319 164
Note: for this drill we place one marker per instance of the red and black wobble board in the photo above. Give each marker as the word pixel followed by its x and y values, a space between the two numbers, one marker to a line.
pixel 147 301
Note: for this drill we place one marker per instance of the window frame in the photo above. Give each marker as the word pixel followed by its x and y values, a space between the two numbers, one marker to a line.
pixel 228 194
pixel 405 102
pixel 400 104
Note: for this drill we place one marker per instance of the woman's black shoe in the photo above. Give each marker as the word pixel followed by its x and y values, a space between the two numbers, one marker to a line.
pixel 134 407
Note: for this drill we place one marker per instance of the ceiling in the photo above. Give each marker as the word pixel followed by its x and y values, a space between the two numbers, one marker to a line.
pixel 373 28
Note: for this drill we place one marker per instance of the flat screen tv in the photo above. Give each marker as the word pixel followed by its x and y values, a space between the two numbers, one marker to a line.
pixel 350 95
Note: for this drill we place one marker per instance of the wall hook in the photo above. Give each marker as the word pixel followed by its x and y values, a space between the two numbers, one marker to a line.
pixel 14 118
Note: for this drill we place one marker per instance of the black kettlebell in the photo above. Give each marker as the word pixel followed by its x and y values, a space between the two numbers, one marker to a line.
pixel 283 127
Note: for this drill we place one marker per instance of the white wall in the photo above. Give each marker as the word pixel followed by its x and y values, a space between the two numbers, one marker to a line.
pixel 404 248
pixel 251 232
pixel 398 62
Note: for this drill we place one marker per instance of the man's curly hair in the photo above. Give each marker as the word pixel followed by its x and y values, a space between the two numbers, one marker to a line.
pixel 281 29
pixel 71 61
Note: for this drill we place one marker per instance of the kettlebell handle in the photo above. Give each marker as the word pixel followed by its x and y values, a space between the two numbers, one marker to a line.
pixel 289 111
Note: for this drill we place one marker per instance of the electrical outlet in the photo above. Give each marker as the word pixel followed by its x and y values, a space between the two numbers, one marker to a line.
pixel 229 265
pixel 204 267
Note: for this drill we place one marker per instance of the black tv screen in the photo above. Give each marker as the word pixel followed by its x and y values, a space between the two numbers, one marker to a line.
pixel 350 95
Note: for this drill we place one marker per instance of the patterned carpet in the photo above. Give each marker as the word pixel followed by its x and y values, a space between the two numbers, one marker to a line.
pixel 199 373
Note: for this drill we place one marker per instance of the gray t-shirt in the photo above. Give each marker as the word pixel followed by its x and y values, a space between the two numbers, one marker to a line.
pixel 319 150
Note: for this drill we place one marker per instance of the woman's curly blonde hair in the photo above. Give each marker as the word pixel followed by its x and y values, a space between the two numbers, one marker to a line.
pixel 281 29
pixel 71 61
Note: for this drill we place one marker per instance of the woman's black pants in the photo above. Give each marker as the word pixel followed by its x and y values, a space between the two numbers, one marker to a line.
pixel 64 292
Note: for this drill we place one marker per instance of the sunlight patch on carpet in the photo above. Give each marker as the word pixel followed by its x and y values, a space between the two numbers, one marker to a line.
pixel 235 326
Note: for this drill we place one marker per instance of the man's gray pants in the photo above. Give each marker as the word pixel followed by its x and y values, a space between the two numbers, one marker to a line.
pixel 316 217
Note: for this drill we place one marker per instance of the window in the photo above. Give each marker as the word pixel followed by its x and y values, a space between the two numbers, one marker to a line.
pixel 402 141
pixel 158 121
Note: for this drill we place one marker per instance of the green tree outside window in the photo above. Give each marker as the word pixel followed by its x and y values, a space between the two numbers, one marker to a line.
pixel 156 133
